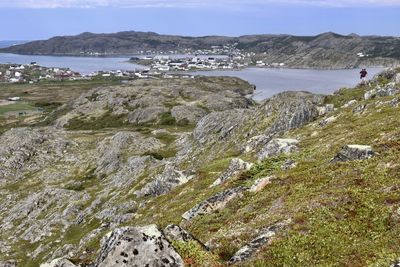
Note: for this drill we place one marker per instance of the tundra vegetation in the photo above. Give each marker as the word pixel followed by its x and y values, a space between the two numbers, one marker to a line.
pixel 192 172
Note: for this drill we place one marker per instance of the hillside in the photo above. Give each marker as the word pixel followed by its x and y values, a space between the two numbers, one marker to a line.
pixel 328 50
pixel 191 172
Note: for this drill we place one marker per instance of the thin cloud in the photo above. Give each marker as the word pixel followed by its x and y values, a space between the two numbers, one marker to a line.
pixel 190 3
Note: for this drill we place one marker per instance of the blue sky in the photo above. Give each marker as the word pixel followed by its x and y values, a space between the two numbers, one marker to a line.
pixel 41 19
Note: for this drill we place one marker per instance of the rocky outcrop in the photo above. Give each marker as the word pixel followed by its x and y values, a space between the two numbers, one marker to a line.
pixel 217 126
pixel 354 152
pixel 350 103
pixel 254 245
pixel 294 109
pixel 235 167
pixel 360 108
pixel 288 164
pixel 389 89
pixel 162 183
pixel 216 202
pixel 27 149
pixel 187 114
pixel 61 262
pixel 110 150
pixel 327 121
pixel 260 184
pixel 278 146
pixel 137 246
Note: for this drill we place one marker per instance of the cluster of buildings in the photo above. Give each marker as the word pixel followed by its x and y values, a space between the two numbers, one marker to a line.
pixel 22 73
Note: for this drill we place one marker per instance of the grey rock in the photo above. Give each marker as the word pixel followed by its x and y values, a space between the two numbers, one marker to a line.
pixel 288 164
pixel 278 146
pixel 327 121
pixel 328 108
pixel 8 264
pixel 350 103
pixel 174 232
pixel 60 262
pixel 382 91
pixel 217 126
pixel 397 78
pixel 354 152
pixel 254 245
pixel 294 109
pixel 360 108
pixel 110 150
pixel 395 102
pixel 187 114
pixel 260 184
pixel 162 183
pixel 216 202
pixel 235 167
pixel 137 246
pixel 145 115
pixel 256 142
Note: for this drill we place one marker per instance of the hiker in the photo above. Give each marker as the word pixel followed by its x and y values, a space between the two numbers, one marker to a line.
pixel 363 74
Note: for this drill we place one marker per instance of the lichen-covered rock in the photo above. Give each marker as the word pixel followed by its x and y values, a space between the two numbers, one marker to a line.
pixel 382 91
pixel 28 149
pixel 162 183
pixel 327 121
pixel 110 150
pixel 61 262
pixel 235 167
pixel 254 245
pixel 278 146
pixel 148 114
pixel 328 108
pixel 294 109
pixel 260 184
pixel 187 114
pixel 217 126
pixel 137 246
pixel 354 152
pixel 256 142
pixel 288 164
pixel 175 232
pixel 8 264
pixel 216 202
pixel 350 103
pixel 360 108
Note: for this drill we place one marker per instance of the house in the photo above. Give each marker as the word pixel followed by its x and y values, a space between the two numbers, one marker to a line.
pixel 14 98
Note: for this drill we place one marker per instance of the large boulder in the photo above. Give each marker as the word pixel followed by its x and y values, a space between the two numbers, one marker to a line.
pixel 354 152
pixel 137 246
pixel 216 202
pixel 235 167
pixel 278 146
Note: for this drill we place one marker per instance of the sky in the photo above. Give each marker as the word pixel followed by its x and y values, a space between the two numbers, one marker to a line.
pixel 42 19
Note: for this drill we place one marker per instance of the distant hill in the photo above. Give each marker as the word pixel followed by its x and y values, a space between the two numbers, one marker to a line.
pixel 327 50
pixel 9 43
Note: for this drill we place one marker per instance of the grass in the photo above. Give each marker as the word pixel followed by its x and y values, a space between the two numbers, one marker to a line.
pixel 17 107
